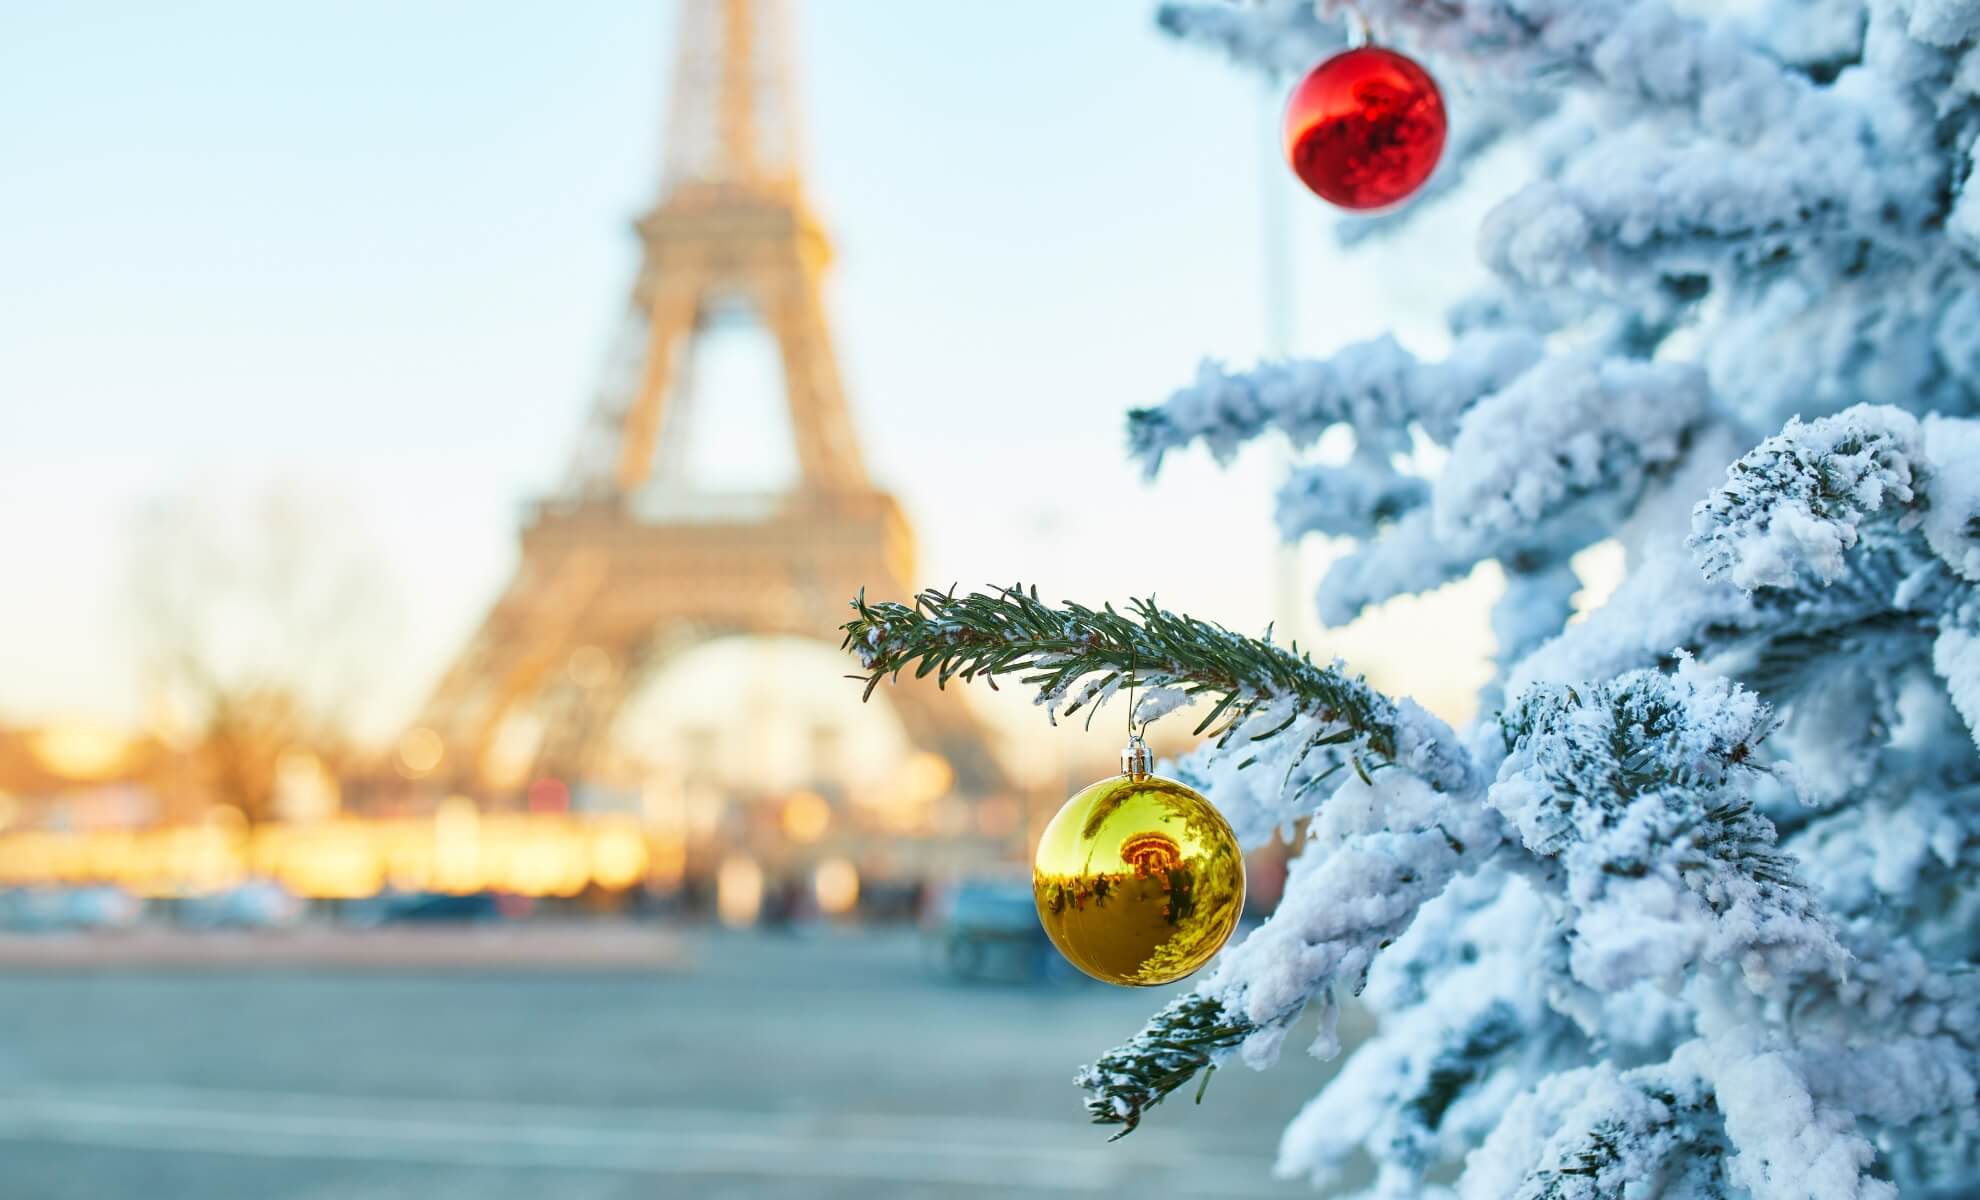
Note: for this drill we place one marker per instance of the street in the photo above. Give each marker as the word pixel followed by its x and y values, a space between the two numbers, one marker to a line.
pixel 814 1065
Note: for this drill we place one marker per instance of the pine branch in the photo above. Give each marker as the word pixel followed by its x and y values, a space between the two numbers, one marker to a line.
pixel 1375 387
pixel 1456 1066
pixel 1010 631
pixel 1640 788
pixel 1797 501
pixel 1178 1042
pixel 1075 656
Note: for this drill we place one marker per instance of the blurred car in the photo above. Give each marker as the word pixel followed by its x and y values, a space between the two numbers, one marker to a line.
pixel 47 910
pixel 988 929
pixel 423 908
pixel 258 905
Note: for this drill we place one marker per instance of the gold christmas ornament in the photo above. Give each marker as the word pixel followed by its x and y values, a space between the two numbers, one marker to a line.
pixel 1138 879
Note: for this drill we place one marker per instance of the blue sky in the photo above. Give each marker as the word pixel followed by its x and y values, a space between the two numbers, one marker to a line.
pixel 373 251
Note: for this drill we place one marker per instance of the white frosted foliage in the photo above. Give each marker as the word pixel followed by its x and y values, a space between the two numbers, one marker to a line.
pixel 1692 908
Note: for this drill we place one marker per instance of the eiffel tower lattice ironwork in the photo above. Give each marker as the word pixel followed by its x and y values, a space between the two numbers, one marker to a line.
pixel 626 563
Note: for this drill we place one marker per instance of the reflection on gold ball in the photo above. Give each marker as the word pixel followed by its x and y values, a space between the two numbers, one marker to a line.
pixel 1139 880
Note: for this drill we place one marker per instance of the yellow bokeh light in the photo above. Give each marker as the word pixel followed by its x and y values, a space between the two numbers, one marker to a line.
pixel 738 891
pixel 669 863
pixel 420 750
pixel 332 862
pixel 806 817
pixel 924 777
pixel 506 761
pixel 305 790
pixel 79 750
pixel 836 885
pixel 618 855
pixel 203 859
pixel 456 846
pixel 458 850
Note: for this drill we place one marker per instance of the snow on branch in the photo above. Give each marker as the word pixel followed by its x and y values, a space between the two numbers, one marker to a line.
pixel 1480 121
pixel 1640 54
pixel 1284 37
pixel 1956 658
pixel 1818 37
pixel 1405 559
pixel 1638 788
pixel 1796 501
pixel 1465 1026
pixel 1721 1113
pixel 1693 914
pixel 1277 720
pixel 1376 387
pixel 1947 23
pixel 1279 37
pixel 1778 640
pixel 1078 656
pixel 1787 1144
pixel 1894 835
pixel 1395 1093
pixel 1357 499
pixel 1952 519
pixel 1534 470
pixel 1782 347
pixel 1180 1041
pixel 1598 1131
pixel 1702 154
pixel 1270 774
pixel 1379 850
pixel 1632 210
pixel 1537 603
pixel 1898 1041
pixel 1567 430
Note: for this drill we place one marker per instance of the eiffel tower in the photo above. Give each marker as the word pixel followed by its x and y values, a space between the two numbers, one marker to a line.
pixel 627 564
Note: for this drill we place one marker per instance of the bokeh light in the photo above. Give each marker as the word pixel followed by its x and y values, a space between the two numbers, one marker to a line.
pixel 79 750
pixel 835 885
pixel 807 816
pixel 420 751
pixel 738 891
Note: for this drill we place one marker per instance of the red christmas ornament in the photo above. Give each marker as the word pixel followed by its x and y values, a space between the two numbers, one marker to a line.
pixel 1364 129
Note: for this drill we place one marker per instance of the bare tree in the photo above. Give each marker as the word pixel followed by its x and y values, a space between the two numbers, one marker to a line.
pixel 258 623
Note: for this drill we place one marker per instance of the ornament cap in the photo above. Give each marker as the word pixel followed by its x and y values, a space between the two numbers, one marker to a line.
pixel 1136 758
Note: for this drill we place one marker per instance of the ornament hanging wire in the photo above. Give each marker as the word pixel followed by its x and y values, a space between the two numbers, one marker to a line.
pixel 1358 32
pixel 1135 756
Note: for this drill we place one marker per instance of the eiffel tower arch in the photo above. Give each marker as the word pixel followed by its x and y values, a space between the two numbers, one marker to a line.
pixel 627 562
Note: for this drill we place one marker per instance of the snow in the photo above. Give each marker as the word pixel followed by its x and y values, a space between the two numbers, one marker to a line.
pixel 1376 388
pixel 1600 425
pixel 1358 499
pixel 1691 909
pixel 1952 522
pixel 1789 1147
pixel 1404 559
pixel 1956 657
pixel 1156 703
pixel 1796 502
pixel 1377 851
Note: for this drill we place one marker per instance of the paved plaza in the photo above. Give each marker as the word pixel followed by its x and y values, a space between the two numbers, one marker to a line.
pixel 826 1065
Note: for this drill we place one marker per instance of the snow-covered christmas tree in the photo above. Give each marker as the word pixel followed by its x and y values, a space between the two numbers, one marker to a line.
pixel 1691 910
